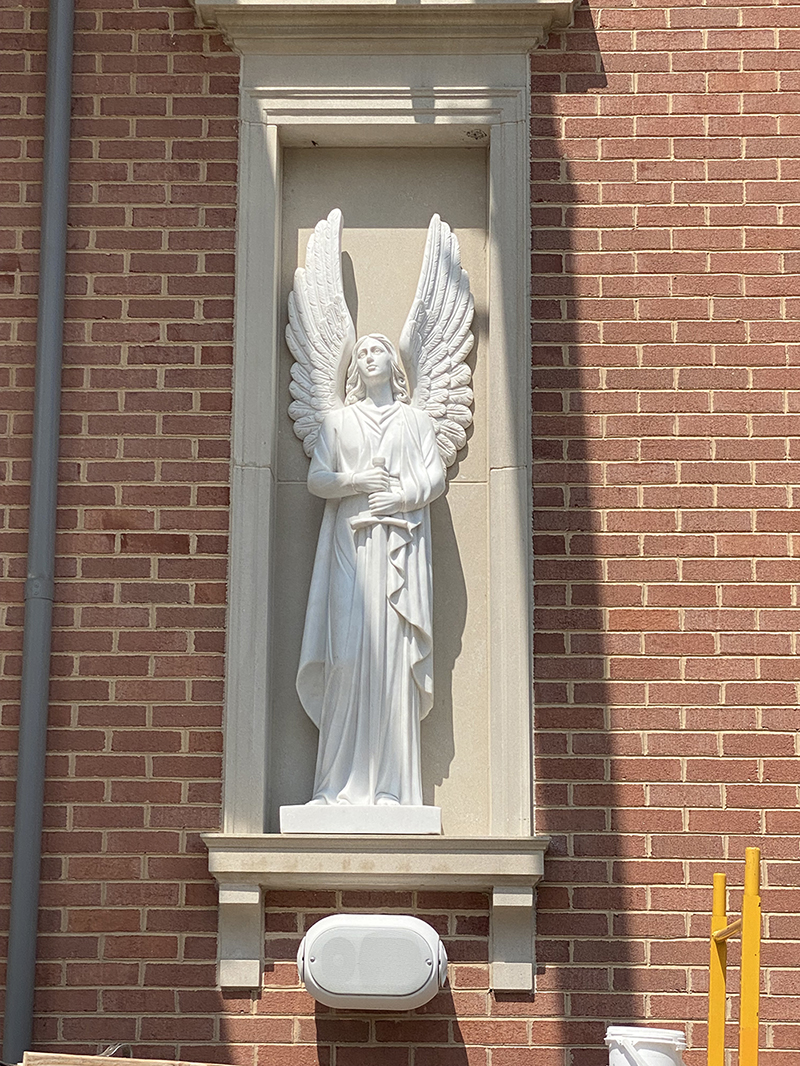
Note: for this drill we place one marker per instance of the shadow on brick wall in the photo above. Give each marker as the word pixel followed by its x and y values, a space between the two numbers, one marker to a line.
pixel 588 953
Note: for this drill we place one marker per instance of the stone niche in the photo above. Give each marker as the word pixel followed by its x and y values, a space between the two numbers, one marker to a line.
pixel 383 241
pixel 391 112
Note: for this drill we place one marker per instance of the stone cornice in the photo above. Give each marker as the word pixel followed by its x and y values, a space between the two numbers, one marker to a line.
pixel 385 26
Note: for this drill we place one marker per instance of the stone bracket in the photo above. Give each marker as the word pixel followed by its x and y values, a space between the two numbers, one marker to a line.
pixel 241 936
pixel 512 944
pixel 507 868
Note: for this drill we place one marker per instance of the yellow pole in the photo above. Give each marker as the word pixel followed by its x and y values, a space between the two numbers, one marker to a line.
pixel 716 976
pixel 751 960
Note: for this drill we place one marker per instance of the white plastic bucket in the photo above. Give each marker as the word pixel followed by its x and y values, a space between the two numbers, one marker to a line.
pixel 636 1045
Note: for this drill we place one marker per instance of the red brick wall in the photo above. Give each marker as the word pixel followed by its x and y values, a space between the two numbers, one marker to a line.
pixel 666 203
pixel 666 284
pixel 128 914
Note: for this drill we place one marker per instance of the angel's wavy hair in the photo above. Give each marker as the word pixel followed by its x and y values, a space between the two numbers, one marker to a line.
pixel 356 390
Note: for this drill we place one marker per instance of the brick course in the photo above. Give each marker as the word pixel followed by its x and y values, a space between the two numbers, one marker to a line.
pixel 665 205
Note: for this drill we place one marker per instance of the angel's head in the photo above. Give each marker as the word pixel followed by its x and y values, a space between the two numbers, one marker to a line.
pixel 374 358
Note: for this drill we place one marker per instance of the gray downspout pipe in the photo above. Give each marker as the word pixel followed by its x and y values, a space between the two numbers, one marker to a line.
pixel 18 1026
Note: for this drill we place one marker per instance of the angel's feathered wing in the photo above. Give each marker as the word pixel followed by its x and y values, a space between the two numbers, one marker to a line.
pixel 320 333
pixel 436 340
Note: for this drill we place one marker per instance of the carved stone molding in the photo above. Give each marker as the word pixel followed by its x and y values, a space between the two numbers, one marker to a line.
pixel 449 26
pixel 507 868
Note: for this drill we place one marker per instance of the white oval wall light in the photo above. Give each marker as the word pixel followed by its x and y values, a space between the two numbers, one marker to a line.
pixel 372 961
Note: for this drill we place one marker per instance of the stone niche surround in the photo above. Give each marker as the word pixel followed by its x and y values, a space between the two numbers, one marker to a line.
pixel 372 74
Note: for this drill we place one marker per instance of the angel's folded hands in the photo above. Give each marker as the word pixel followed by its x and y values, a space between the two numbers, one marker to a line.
pixel 385 503
pixel 374 479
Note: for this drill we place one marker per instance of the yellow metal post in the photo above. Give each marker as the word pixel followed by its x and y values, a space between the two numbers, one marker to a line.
pixel 751 959
pixel 716 976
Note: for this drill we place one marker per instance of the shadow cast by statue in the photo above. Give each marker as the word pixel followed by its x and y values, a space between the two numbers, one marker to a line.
pixel 350 287
pixel 450 602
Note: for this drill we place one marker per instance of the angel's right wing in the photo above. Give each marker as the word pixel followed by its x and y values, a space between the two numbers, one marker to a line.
pixel 320 333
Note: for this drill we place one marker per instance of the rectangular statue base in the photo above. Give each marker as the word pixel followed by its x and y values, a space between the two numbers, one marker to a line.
pixel 311 818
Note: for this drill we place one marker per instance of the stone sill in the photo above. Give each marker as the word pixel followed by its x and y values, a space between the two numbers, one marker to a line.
pixel 507 868
pixel 308 861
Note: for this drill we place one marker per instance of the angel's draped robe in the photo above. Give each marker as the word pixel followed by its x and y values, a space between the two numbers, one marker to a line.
pixel 366 665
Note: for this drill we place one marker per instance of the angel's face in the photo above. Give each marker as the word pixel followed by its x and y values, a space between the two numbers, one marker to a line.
pixel 374 361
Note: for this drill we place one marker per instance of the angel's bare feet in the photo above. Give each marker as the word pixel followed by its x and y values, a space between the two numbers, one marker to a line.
pixel 385 800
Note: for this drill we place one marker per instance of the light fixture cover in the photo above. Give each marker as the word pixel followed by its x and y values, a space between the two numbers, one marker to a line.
pixel 372 961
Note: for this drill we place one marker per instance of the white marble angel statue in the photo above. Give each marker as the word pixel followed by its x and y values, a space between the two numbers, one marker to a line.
pixel 380 431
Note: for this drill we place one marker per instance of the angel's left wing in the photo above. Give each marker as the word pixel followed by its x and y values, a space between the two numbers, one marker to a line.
pixel 436 340
pixel 320 333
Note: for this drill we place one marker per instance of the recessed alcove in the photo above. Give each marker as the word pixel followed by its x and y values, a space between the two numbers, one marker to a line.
pixel 383 243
